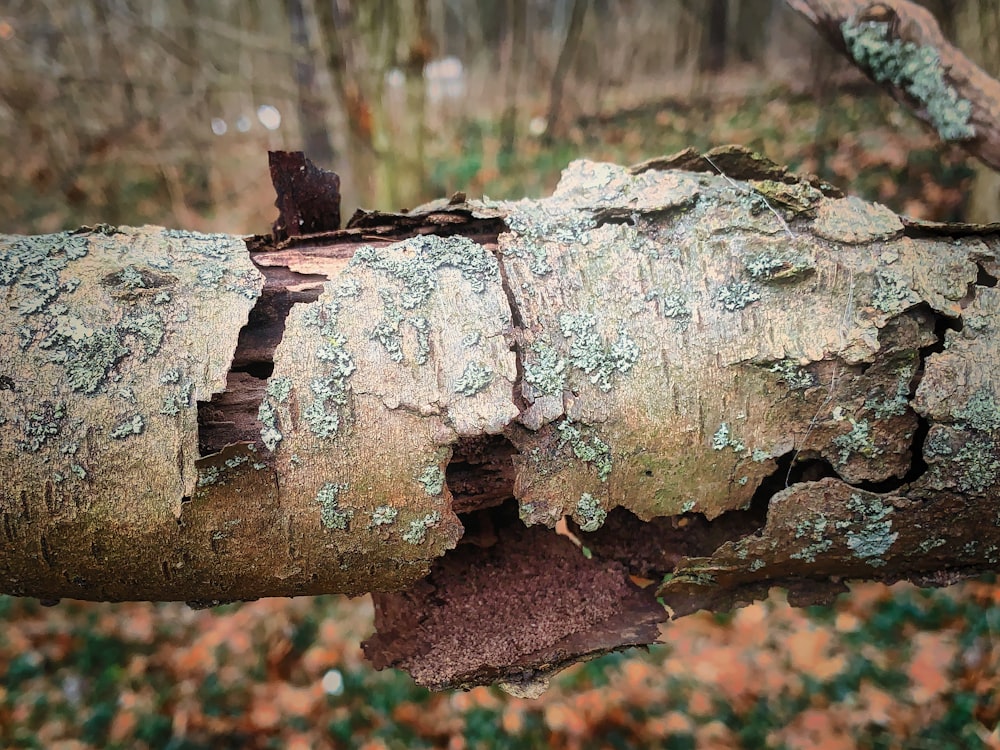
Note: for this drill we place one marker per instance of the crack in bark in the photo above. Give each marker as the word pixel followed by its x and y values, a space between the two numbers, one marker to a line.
pixel 231 415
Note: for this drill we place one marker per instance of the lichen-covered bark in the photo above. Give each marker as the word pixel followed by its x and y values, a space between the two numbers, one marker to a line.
pixel 108 339
pixel 724 382
pixel 400 357
pixel 898 44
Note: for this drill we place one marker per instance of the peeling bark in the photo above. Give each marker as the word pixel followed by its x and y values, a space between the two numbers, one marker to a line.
pixel 722 382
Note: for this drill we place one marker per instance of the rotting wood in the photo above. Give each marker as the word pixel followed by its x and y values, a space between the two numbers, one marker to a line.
pixel 724 384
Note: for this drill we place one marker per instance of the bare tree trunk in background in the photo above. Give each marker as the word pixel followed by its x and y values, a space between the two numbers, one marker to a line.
pixel 713 48
pixel 368 42
pixel 750 22
pixel 977 29
pixel 409 137
pixel 189 184
pixel 312 104
pixel 566 55
pixel 515 49
pixel 358 159
pixel 947 13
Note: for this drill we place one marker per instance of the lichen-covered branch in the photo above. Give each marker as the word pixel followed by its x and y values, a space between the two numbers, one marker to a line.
pixel 899 45
pixel 526 426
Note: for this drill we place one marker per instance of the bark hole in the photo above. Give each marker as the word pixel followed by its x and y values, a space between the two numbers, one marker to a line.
pixel 231 415
pixel 651 549
pixel 793 469
pixel 985 278
pixel 481 473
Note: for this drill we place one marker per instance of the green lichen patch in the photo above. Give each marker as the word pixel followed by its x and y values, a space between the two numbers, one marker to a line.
pixel 777 266
pixel 475 377
pixel 890 395
pixel 671 304
pixel 891 294
pixel 916 70
pixel 417 531
pixel 938 442
pixel 267 415
pixel 87 359
pixel 545 369
pixel 589 514
pixel 348 288
pixel 414 265
pixel 736 295
pixel 387 331
pixel 279 388
pixel 218 261
pixel 857 440
pixel 179 396
pixel 587 447
pixel 793 375
pixel 332 516
pixel 40 425
pixel 134 425
pixel 869 532
pixel 981 411
pixel 33 267
pixel 208 475
pixel 931 543
pixel 535 227
pixel 149 330
pixel 724 438
pixel 384 515
pixel 327 409
pixel 135 282
pixel 432 478
pixel 590 353
pixel 813 529
pixel 979 464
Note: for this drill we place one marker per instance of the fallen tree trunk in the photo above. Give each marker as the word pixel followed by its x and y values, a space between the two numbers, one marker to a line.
pixel 724 381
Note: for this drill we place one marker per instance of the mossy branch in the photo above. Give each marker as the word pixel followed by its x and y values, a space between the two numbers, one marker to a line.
pixel 899 45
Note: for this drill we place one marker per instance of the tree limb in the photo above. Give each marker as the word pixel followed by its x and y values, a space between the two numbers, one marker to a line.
pixel 899 45
pixel 527 425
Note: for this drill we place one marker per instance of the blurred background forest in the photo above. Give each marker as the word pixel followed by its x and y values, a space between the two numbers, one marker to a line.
pixel 163 112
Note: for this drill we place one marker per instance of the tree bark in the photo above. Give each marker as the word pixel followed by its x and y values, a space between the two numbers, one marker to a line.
pixel 724 382
pixel 900 46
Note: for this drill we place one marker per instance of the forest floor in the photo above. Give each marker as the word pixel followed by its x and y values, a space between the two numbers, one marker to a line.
pixel 883 667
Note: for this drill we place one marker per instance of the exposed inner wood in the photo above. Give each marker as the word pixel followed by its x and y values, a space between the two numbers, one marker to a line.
pixel 481 473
